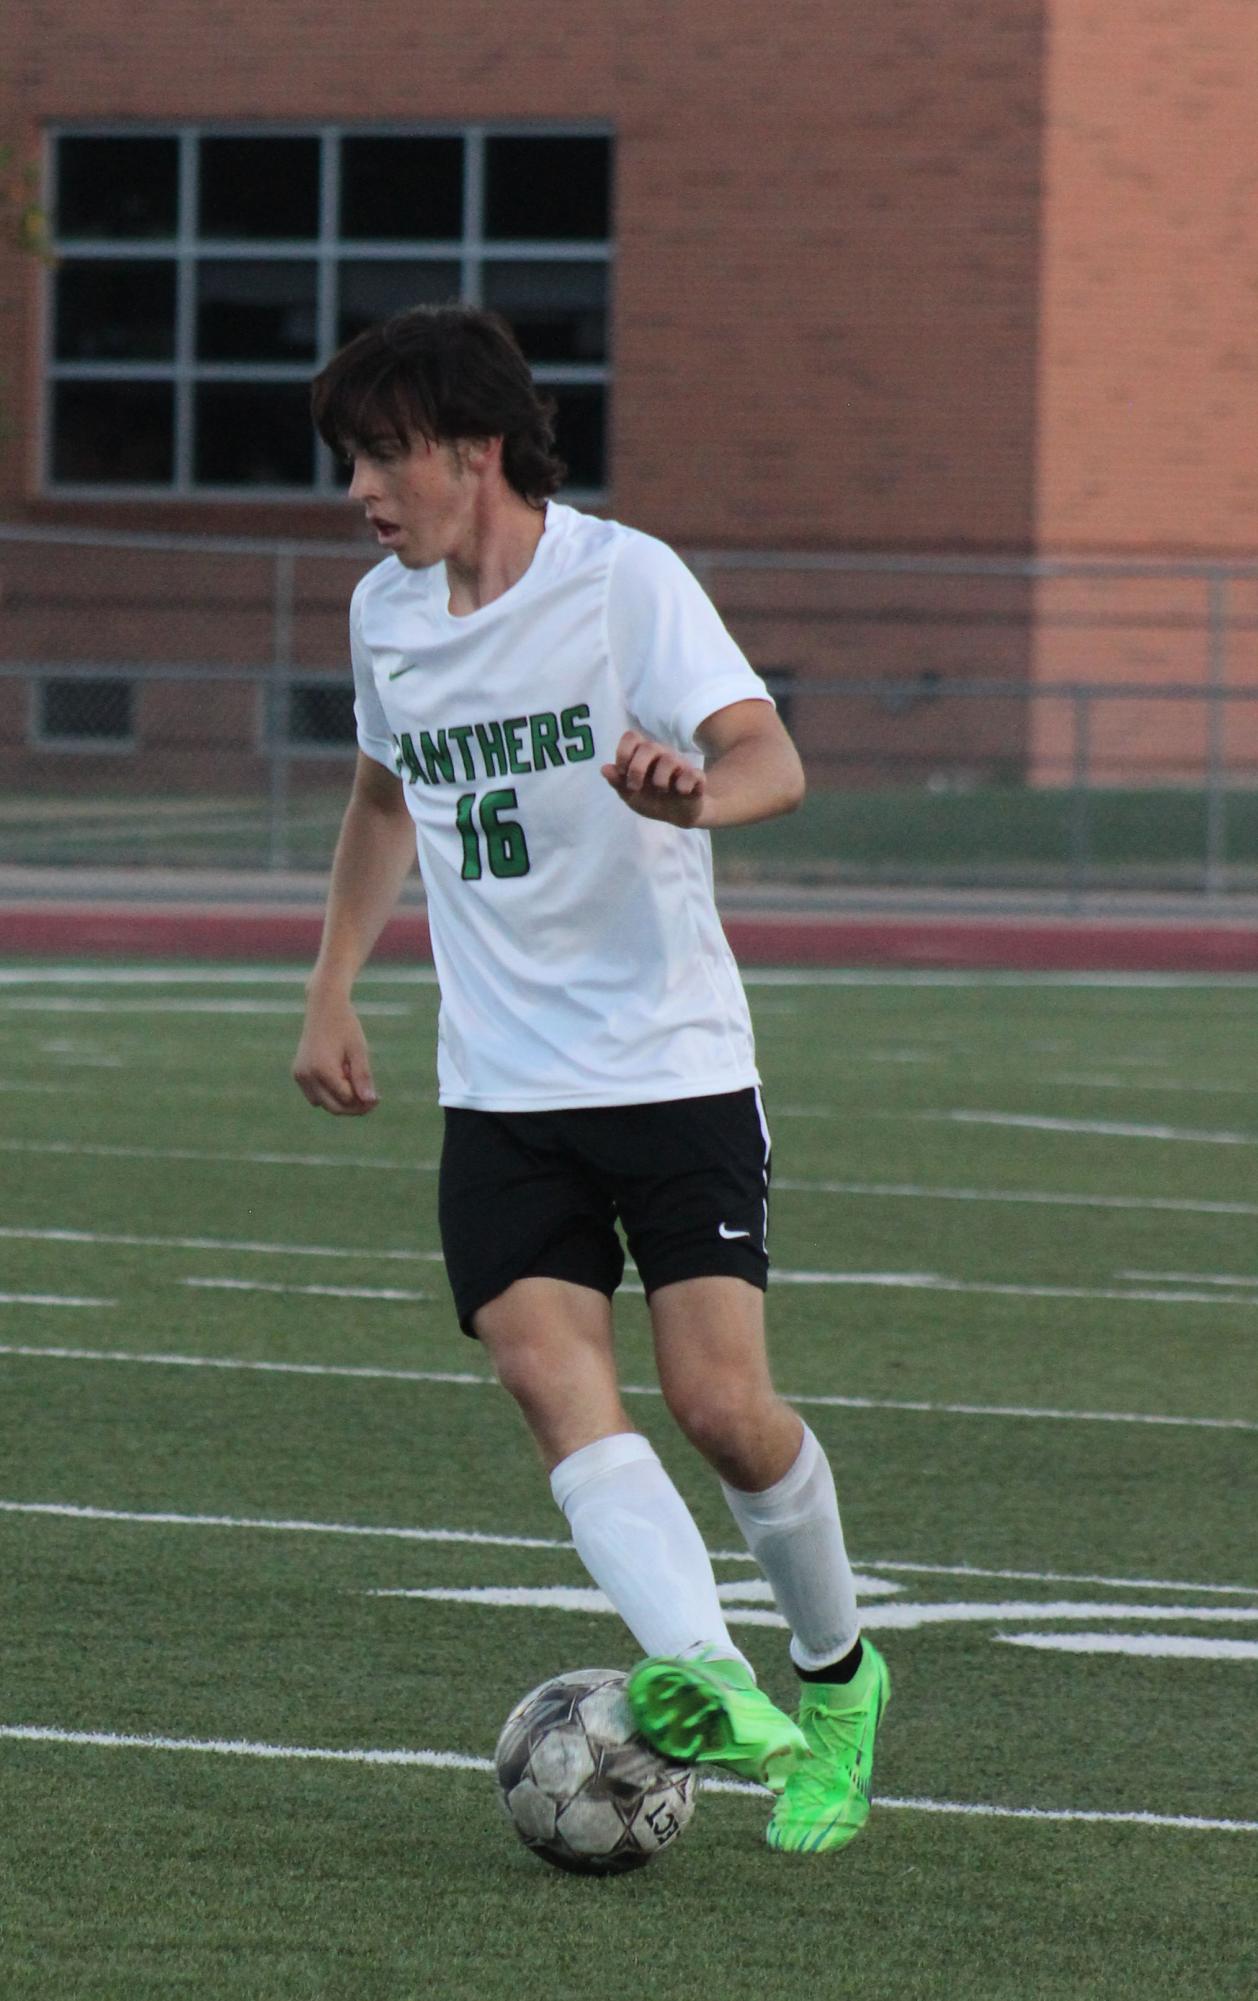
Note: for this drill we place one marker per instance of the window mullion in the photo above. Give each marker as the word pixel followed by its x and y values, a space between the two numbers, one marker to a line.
pixel 327 281
pixel 186 308
pixel 473 213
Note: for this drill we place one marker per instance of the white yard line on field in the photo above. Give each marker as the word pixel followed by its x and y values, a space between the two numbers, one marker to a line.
pixel 75 1511
pixel 926 1406
pixel 1149 1646
pixel 50 1299
pixel 245 1245
pixel 165 1519
pixel 198 976
pixel 905 1617
pixel 312 1291
pixel 1129 1083
pixel 1194 1822
pixel 112 1740
pixel 898 1191
pixel 906 976
pixel 1191 1277
pixel 752 976
pixel 77 1149
pixel 352 1369
pixel 914 1191
pixel 1098 1128
pixel 1245 1295
pixel 64 1004
pixel 230 1747
pixel 1061 1577
pixel 932 1282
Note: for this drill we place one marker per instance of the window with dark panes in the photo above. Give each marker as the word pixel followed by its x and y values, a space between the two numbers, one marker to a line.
pixel 321 714
pixel 559 311
pixel 253 434
pixel 401 190
pixel 85 710
pixel 540 187
pixel 251 309
pixel 201 277
pixel 123 189
pixel 113 433
pixel 115 310
pixel 254 188
pixel 369 291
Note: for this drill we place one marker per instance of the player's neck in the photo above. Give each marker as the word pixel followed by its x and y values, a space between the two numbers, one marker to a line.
pixel 499 546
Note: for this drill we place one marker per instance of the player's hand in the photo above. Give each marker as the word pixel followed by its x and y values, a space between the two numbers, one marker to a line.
pixel 657 782
pixel 332 1068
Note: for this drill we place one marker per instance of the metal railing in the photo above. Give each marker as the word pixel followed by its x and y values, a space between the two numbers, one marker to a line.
pixel 965 721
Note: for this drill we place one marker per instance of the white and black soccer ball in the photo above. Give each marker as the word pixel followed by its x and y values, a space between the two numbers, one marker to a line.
pixel 582 1789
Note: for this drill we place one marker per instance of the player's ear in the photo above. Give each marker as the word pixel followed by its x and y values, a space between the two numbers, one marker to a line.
pixel 479 455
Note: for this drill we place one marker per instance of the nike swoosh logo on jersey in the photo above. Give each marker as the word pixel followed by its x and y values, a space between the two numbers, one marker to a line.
pixel 397 672
pixel 724 1231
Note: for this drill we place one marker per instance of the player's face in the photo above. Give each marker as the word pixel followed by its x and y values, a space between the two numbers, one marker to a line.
pixel 418 500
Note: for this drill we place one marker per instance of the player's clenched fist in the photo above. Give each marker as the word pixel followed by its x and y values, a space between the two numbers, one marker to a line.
pixel 332 1068
pixel 657 782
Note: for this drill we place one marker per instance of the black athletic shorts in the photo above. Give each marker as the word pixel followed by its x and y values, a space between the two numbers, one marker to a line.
pixel 539 1194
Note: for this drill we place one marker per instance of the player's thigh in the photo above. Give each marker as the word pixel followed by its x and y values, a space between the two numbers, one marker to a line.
pixel 551 1345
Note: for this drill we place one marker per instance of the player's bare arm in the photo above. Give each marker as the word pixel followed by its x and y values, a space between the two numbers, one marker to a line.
pixel 752 771
pixel 374 855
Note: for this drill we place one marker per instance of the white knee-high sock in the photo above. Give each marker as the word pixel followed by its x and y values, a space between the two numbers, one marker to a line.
pixel 793 1531
pixel 637 1538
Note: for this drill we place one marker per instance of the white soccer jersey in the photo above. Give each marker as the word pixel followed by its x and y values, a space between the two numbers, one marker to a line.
pixel 578 950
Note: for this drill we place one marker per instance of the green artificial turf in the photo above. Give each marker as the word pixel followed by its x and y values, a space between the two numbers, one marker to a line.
pixel 1017 1408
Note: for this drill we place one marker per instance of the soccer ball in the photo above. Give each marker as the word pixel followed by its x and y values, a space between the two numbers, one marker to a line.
pixel 582 1789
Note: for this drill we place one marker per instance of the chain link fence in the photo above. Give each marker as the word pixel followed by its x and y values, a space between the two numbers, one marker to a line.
pixel 185 702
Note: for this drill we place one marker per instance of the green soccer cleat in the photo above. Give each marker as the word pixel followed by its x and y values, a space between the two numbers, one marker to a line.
pixel 826 1801
pixel 708 1711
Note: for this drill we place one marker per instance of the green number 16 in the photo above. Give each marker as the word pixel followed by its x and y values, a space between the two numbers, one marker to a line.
pixel 505 844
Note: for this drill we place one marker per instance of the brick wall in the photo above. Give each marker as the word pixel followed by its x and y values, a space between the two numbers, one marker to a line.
pixel 981 278
pixel 1149 363
pixel 826 222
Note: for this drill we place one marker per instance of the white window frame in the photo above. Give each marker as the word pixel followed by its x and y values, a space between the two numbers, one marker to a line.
pixel 187 249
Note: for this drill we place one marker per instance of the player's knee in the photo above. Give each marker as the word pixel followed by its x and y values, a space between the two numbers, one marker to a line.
pixel 523 1368
pixel 720 1419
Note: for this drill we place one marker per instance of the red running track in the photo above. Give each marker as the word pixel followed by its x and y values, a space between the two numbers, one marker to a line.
pixel 211 931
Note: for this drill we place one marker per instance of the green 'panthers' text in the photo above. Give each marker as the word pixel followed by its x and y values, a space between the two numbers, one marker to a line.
pixel 463 752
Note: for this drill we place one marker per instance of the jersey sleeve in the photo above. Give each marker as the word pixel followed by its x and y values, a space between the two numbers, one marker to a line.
pixel 369 719
pixel 676 662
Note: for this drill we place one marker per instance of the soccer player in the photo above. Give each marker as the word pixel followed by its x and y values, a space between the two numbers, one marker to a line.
pixel 551 703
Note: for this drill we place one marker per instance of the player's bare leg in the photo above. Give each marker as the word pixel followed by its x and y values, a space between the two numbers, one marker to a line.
pixel 551 1345
pixel 714 1372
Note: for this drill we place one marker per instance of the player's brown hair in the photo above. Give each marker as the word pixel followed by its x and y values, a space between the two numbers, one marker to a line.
pixel 441 373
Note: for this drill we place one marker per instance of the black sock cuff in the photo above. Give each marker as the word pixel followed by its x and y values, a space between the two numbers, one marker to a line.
pixel 841 1670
